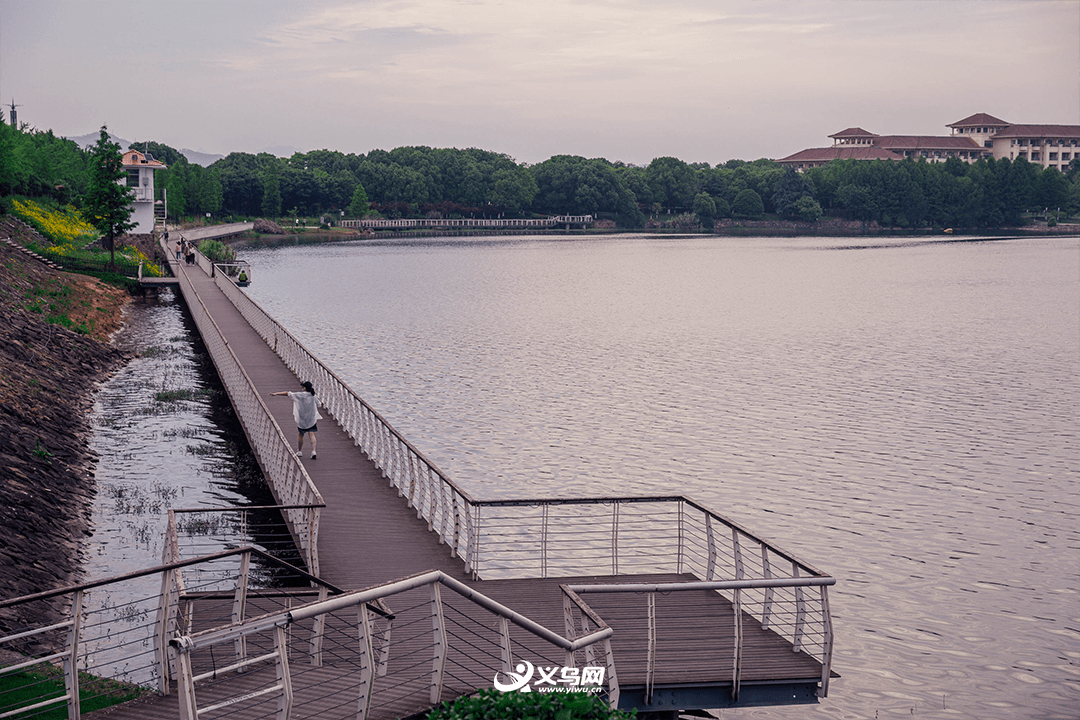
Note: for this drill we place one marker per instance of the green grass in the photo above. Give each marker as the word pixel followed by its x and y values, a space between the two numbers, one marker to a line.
pixel 29 687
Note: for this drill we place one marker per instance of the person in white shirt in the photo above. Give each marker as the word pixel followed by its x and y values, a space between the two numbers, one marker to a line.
pixel 306 414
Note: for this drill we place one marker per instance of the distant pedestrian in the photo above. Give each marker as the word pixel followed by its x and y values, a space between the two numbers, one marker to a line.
pixel 305 413
pixel 179 249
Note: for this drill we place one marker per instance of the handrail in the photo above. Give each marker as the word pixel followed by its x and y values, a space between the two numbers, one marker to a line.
pixel 804 615
pixel 449 509
pixel 442 651
pixel 166 567
pixel 289 480
pixel 445 505
pixel 118 627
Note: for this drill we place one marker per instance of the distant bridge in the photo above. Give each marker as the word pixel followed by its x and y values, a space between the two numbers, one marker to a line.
pixel 499 223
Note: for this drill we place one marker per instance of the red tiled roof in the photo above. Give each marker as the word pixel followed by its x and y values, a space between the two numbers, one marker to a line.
pixel 134 158
pixel 1069 131
pixel 841 152
pixel 927 142
pixel 977 120
pixel 853 132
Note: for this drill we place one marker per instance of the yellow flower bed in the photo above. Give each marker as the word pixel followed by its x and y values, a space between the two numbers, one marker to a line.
pixel 70 233
pixel 63 226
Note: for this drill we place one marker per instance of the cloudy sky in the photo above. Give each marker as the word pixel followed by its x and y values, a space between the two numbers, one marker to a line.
pixel 630 80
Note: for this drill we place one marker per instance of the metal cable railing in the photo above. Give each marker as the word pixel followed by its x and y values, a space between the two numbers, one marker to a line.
pixel 110 643
pixel 441 640
pixel 795 608
pixel 288 480
pixel 444 505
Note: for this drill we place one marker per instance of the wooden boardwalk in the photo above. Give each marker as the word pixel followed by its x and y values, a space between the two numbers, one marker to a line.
pixel 368 536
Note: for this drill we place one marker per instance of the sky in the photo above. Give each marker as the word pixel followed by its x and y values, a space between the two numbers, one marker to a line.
pixel 627 80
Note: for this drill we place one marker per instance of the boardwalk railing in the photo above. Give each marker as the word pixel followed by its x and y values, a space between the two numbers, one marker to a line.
pixel 794 608
pixel 501 539
pixel 288 480
pixel 111 640
pixel 194 532
pixel 441 639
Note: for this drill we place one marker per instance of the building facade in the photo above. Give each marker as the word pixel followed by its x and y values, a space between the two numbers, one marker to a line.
pixel 139 168
pixel 973 138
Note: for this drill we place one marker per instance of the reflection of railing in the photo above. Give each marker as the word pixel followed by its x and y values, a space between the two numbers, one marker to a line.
pixel 112 642
pixel 288 479
pixel 381 663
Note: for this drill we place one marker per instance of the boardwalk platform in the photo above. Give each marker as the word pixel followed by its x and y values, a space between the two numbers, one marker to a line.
pixel 678 642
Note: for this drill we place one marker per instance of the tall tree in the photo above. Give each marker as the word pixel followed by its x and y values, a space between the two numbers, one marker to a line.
pixel 108 204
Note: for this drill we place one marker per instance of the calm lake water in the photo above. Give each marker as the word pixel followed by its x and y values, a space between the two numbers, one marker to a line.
pixel 166 438
pixel 900 413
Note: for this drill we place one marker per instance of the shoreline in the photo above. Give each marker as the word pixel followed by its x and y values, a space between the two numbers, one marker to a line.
pixel 725 228
pixel 48 379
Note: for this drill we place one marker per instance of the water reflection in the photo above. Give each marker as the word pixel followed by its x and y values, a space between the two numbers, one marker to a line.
pixel 902 414
pixel 166 437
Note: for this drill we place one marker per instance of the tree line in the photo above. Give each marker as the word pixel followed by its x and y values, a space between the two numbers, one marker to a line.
pixel 446 182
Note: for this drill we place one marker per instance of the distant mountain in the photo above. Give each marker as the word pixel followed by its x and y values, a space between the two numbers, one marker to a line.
pixel 193 156
pixel 200 158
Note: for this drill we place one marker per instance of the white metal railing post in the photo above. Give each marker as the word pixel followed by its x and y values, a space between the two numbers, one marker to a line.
pixel 367 661
pixel 736 668
pixel 615 538
pixel 71 658
pixel 613 678
pixel 284 677
pixel 506 650
pixel 318 630
pixel 543 539
pixel 766 610
pixel 736 547
pixel 185 686
pixel 650 661
pixel 800 611
pixel 710 542
pixel 679 565
pixel 239 606
pixel 826 659
pixel 165 626
pixel 438 663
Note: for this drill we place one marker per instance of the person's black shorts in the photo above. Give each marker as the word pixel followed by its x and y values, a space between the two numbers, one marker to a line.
pixel 313 428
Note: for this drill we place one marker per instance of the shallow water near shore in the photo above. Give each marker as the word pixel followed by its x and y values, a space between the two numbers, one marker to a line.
pixel 166 438
pixel 901 413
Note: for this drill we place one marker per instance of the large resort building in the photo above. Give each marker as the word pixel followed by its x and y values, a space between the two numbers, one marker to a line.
pixel 973 138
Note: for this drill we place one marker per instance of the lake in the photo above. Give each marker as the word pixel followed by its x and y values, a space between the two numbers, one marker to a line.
pixel 901 413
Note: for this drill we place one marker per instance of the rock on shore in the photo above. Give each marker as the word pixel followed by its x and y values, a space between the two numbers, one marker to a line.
pixel 48 376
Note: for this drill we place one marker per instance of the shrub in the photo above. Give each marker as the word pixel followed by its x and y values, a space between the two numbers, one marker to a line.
pixel 747 205
pixel 217 251
pixel 491 704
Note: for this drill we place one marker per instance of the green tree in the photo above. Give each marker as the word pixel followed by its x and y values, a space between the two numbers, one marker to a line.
pixel 359 205
pixel 271 202
pixel 808 209
pixel 705 209
pixel 674 183
pixel 108 204
pixel 748 205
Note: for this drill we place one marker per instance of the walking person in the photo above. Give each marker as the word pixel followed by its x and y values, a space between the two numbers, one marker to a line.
pixel 306 414
pixel 179 248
